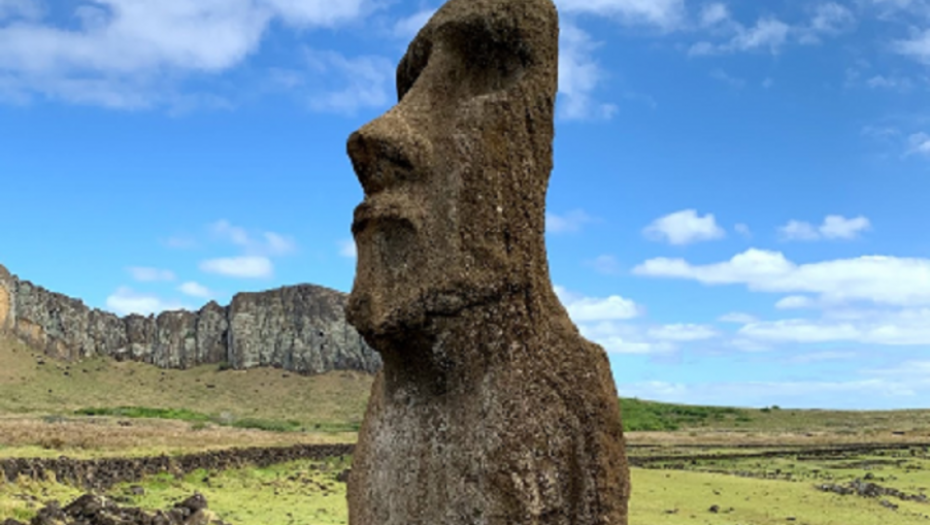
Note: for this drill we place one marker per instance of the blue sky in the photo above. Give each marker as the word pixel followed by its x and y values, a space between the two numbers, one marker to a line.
pixel 737 212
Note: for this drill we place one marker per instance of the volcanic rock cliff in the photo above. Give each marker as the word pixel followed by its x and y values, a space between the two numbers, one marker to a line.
pixel 300 328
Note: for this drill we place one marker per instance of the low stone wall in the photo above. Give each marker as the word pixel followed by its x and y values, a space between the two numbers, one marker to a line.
pixel 101 474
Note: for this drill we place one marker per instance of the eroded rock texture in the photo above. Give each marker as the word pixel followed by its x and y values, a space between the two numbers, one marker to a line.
pixel 300 328
pixel 490 407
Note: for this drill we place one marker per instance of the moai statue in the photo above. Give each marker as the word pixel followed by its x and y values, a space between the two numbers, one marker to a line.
pixel 490 407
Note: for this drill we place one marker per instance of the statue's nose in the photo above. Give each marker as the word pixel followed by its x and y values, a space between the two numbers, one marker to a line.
pixel 388 151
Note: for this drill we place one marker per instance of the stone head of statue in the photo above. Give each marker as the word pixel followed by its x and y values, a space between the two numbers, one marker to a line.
pixel 455 175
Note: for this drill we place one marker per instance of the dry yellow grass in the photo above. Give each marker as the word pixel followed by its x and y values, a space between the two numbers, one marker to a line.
pixel 103 437
pixel 34 384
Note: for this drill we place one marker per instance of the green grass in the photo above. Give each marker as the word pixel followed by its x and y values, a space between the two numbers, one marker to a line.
pixel 307 492
pixel 268 425
pixel 333 402
pixel 299 492
pixel 653 416
pixel 181 414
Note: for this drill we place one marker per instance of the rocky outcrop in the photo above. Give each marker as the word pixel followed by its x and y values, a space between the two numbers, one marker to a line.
pixel 300 328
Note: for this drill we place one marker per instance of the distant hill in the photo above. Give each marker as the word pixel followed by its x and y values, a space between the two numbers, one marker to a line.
pixel 299 328
pixel 33 384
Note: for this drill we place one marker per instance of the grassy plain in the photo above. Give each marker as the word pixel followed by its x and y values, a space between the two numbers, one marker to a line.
pixel 104 408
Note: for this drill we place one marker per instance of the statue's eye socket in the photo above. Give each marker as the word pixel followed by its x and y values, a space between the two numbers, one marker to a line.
pixel 494 58
pixel 413 63
pixel 484 58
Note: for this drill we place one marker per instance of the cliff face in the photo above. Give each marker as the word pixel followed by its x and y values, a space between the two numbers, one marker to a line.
pixel 300 328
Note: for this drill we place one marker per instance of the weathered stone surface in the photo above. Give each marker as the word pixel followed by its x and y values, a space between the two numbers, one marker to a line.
pixel 7 307
pixel 490 407
pixel 300 328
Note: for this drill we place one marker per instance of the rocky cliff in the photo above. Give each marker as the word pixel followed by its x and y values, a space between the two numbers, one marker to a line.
pixel 300 328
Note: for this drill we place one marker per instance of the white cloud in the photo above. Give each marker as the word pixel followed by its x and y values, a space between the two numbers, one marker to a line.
pixel 622 345
pixel 278 244
pixel 918 144
pixel 407 28
pixel 606 264
pixel 613 308
pixel 796 302
pixel 349 84
pixel 798 231
pixel 905 327
pixel 180 242
pixel 242 267
pixel 125 301
pixel 880 133
pixel 833 227
pixel 348 249
pixel 267 243
pixel 131 54
pixel 890 82
pixel 839 227
pixel 608 321
pixel 713 14
pixel 878 279
pixel 570 222
pixel 726 78
pixel 818 357
pixel 604 321
pixel 234 234
pixel 194 289
pixel 743 230
pixel 24 9
pixel 684 227
pixel 143 274
pixel 830 18
pixel 315 12
pixel 579 76
pixel 665 14
pixel 917 47
pixel 768 33
pixel 737 318
pixel 682 332
pixel 625 338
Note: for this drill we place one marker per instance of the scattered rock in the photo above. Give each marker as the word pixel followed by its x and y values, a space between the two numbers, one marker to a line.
pixel 865 489
pixel 888 505
pixel 193 503
pixel 714 508
pixel 90 509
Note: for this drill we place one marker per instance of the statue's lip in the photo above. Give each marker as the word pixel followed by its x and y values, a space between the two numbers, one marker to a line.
pixel 386 207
